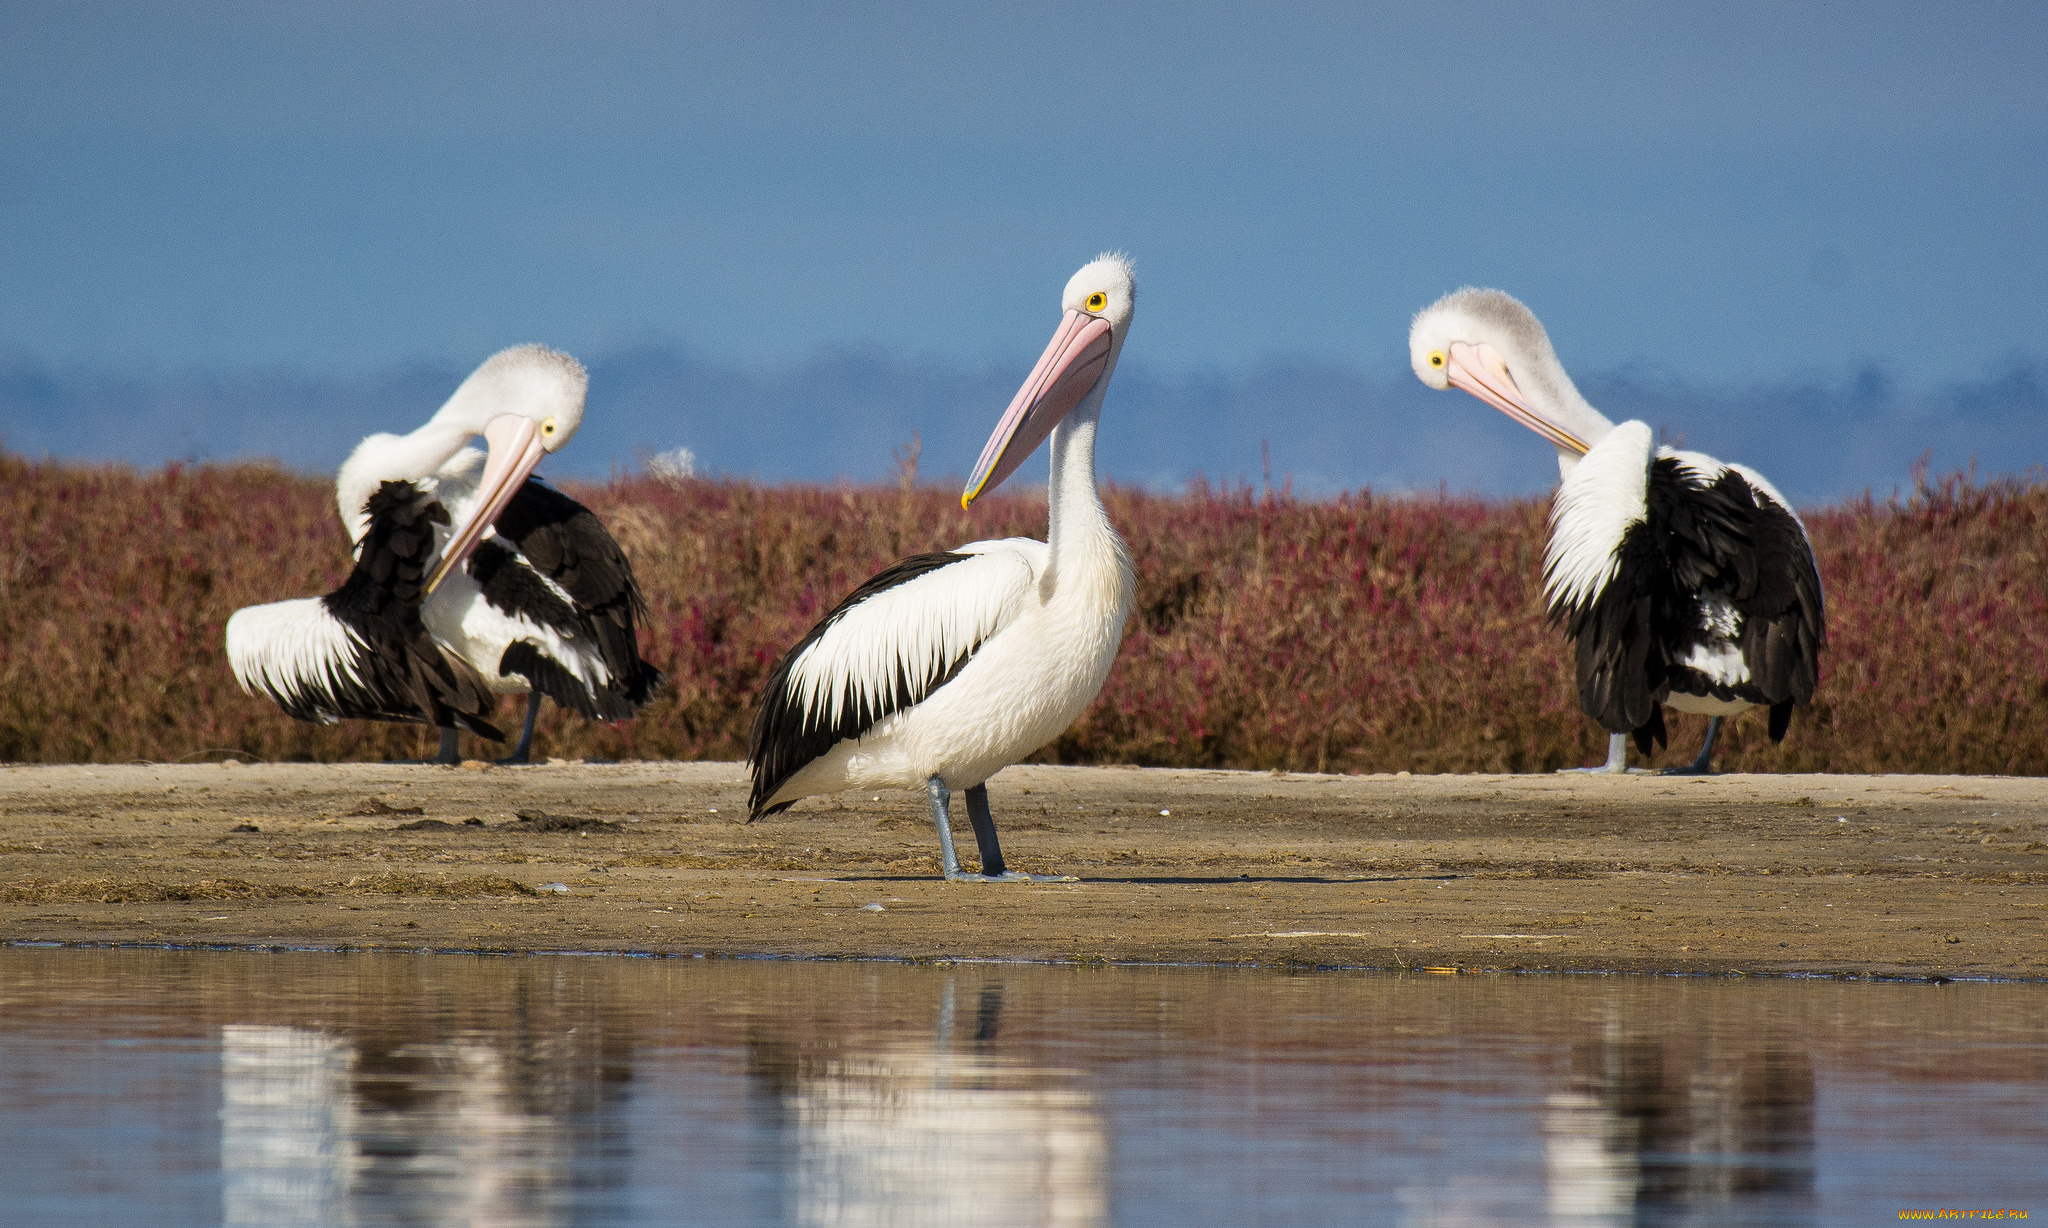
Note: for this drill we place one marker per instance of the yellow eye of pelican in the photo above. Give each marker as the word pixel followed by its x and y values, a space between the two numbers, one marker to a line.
pixel 547 427
pixel 1436 358
pixel 1097 301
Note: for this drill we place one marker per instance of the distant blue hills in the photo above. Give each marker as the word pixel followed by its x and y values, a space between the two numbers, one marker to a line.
pixel 837 415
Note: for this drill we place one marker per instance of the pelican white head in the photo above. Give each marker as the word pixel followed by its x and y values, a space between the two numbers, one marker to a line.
pixel 1106 286
pixel 1488 344
pixel 526 402
pixel 543 386
pixel 527 383
pixel 1073 373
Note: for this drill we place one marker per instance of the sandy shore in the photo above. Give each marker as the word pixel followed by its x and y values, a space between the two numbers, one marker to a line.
pixel 1889 875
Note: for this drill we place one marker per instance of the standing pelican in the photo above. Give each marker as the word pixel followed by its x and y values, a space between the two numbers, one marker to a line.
pixel 946 668
pixel 530 590
pixel 1680 579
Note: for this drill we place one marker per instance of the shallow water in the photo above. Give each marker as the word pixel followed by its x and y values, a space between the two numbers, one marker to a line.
pixel 160 1087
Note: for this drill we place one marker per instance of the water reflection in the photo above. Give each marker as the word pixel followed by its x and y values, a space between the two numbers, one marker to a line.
pixel 173 1088
pixel 400 1122
pixel 1639 1130
pixel 314 1126
pixel 287 1125
pixel 937 1133
pixel 914 1127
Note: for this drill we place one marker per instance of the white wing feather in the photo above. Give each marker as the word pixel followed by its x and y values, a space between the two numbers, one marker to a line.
pixel 1605 493
pixel 914 631
pixel 294 652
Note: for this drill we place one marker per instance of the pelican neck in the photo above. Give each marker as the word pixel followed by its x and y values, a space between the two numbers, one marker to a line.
pixel 393 458
pixel 1078 532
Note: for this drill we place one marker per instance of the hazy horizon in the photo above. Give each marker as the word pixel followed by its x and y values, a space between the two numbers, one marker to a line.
pixel 1325 426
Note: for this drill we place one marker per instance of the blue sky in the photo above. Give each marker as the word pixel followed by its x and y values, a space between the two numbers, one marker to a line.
pixel 1741 207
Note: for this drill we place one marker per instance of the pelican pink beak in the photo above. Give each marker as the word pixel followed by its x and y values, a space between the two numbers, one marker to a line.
pixel 1068 370
pixel 1481 371
pixel 515 449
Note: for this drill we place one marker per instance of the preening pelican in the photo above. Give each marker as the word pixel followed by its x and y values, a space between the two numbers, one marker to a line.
pixel 946 668
pixel 530 589
pixel 362 651
pixel 1680 579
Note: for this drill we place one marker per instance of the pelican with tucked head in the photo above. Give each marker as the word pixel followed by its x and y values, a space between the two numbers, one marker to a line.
pixel 1679 579
pixel 527 588
pixel 948 667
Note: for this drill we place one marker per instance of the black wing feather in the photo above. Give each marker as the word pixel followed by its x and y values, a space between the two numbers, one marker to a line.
pixel 784 738
pixel 1716 537
pixel 1619 673
pixel 404 675
pixel 565 541
pixel 1784 617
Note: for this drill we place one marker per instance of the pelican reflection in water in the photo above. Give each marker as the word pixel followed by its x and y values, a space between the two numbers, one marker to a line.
pixel 1639 1129
pixel 925 1124
pixel 318 1128
pixel 912 1131
pixel 903 1100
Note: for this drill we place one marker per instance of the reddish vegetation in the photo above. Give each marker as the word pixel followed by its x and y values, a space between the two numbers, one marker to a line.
pixel 1357 634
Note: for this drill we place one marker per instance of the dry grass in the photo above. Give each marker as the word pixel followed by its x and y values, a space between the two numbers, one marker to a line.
pixel 141 891
pixel 404 883
pixel 146 891
pixel 1357 634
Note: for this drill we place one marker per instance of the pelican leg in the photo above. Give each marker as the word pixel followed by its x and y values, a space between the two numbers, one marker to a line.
pixel 985 831
pixel 1704 764
pixel 448 754
pixel 942 815
pixel 1617 757
pixel 522 753
pixel 992 867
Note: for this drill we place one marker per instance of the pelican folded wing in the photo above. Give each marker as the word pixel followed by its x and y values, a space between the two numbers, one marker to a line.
pixel 889 645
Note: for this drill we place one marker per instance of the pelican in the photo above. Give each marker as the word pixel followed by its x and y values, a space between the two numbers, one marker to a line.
pixel 362 652
pixel 1679 579
pixel 948 667
pixel 530 589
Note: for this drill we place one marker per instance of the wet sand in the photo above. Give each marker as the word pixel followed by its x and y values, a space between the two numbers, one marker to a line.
pixel 1883 876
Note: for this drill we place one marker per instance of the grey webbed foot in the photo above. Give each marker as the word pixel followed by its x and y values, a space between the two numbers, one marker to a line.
pixel 1011 876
